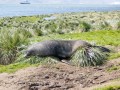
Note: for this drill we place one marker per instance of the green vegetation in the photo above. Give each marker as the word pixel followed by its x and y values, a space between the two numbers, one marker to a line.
pixel 114 55
pixel 85 27
pixel 13 67
pixel 100 39
pixel 89 57
pixel 110 87
pixel 22 63
pixel 104 37
pixel 9 45
pixel 17 33
pixel 113 68
pixel 63 23
pixel 118 25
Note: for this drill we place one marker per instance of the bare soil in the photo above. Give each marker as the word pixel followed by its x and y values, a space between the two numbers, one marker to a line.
pixel 59 77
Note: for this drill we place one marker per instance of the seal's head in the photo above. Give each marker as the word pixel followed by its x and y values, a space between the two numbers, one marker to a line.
pixel 29 53
pixel 81 44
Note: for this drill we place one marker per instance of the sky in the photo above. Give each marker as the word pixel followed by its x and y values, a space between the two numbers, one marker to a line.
pixel 63 1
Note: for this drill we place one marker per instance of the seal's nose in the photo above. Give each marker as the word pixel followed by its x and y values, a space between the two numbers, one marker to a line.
pixel 25 56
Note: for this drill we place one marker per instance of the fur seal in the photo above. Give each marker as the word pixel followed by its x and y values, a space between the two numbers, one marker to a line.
pixel 61 49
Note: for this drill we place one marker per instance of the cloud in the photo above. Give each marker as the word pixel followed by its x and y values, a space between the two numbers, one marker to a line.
pixel 115 3
pixel 8 1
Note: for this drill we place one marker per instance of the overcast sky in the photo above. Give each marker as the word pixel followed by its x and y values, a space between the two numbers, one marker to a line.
pixel 64 1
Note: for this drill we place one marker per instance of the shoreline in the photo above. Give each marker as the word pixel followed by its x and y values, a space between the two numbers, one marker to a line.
pixel 11 10
pixel 62 13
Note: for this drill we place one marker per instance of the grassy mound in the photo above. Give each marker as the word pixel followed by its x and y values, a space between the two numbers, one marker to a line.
pixel 89 57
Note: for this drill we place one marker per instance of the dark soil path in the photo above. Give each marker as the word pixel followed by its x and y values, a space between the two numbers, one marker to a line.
pixel 59 77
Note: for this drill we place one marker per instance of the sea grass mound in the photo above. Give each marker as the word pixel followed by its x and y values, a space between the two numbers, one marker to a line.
pixel 93 56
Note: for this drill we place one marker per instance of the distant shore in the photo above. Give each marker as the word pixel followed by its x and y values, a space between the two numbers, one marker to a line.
pixel 11 10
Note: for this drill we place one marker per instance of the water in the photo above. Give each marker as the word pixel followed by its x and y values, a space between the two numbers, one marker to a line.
pixel 37 9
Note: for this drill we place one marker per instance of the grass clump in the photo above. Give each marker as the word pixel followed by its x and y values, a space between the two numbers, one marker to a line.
pixel 9 43
pixel 85 27
pixel 111 87
pixel 118 25
pixel 89 57
pixel 35 60
pixel 105 26
pixel 113 68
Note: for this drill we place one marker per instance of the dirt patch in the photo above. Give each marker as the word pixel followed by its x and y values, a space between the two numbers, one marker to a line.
pixel 58 77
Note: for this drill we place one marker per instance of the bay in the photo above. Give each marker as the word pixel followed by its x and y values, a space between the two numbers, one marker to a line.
pixel 38 9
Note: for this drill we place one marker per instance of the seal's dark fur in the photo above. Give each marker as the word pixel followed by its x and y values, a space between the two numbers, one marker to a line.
pixel 61 49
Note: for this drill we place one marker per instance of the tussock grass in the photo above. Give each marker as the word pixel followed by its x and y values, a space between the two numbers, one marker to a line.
pixel 89 57
pixel 118 25
pixel 36 60
pixel 9 44
pixel 85 27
